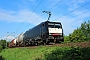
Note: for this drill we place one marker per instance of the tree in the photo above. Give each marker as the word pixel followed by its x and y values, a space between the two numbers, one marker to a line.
pixel 85 27
pixel 3 43
pixel 80 34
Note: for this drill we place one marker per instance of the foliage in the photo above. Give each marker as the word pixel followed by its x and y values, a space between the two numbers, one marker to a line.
pixel 66 39
pixel 24 53
pixel 69 54
pixel 2 45
pixel 77 54
pixel 1 48
pixel 80 34
pixel 56 54
pixel 47 53
pixel 1 58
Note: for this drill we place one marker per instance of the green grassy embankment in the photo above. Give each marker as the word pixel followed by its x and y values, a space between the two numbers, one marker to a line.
pixel 46 53
pixel 25 53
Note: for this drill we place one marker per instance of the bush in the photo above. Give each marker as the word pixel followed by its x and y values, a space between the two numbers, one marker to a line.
pixel 56 54
pixel 69 54
pixel 3 43
pixel 1 58
pixel 1 48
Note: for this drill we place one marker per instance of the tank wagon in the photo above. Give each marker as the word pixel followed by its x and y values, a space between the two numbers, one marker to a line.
pixel 19 40
pixel 12 43
pixel 45 33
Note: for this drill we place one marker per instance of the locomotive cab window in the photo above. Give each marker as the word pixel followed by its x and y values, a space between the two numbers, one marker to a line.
pixel 58 26
pixel 51 25
pixel 54 25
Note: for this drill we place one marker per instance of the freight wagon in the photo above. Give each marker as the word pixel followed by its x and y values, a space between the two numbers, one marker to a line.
pixel 12 43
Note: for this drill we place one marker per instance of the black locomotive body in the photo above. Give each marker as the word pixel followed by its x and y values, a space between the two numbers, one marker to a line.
pixel 45 32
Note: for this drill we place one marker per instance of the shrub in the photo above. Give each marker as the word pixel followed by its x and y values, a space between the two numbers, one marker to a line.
pixel 1 48
pixel 69 54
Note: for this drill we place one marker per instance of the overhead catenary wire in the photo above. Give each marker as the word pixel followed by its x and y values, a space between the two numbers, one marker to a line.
pixel 50 8
pixel 72 11
pixel 26 18
pixel 47 10
pixel 82 13
pixel 55 4
pixel 43 9
pixel 38 17
pixel 30 14
pixel 81 18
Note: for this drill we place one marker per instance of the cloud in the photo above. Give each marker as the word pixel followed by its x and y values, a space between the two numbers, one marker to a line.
pixel 19 16
pixel 9 38
pixel 84 13
pixel 73 4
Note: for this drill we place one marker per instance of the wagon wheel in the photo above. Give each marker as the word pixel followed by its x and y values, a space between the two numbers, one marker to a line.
pixel 24 44
pixel 36 43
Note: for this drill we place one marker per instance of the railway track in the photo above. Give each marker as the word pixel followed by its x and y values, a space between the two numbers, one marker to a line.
pixel 79 44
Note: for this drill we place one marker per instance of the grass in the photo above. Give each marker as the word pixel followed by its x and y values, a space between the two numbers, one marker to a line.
pixel 45 53
pixel 24 53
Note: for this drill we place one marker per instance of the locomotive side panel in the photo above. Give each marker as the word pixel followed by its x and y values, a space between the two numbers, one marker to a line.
pixel 35 35
pixel 36 32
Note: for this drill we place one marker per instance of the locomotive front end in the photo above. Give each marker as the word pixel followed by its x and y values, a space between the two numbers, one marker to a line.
pixel 55 32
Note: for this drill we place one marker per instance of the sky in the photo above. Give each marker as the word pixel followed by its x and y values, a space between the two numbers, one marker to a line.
pixel 17 16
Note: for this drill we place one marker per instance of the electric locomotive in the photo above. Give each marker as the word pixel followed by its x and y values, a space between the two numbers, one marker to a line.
pixel 45 32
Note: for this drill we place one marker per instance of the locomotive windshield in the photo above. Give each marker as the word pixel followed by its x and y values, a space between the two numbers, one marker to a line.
pixel 54 25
